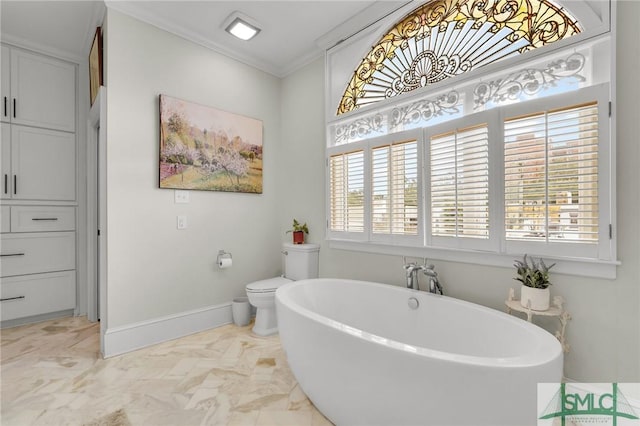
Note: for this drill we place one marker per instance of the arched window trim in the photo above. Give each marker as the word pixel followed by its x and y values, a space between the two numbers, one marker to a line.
pixel 594 16
pixel 465 86
pixel 599 37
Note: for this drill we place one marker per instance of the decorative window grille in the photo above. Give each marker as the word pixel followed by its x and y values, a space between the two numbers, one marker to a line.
pixel 346 189
pixel 551 176
pixel 394 176
pixel 566 71
pixel 445 38
pixel 559 75
pixel 405 116
pixel 460 183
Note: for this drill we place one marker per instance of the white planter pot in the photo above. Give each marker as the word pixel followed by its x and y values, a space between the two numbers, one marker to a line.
pixel 535 298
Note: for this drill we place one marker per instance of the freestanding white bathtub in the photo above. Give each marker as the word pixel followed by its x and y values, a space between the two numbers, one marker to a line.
pixel 364 357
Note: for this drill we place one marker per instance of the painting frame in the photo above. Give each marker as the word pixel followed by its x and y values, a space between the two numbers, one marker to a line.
pixel 95 65
pixel 204 148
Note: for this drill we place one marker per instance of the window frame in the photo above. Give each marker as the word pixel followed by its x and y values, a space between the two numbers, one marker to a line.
pixel 368 146
pixel 346 149
pixel 496 250
pixel 603 249
pixel 492 243
pixel 596 17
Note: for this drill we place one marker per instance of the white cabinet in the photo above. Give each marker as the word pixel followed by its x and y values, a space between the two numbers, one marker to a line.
pixel 37 185
pixel 29 295
pixel 6 83
pixel 5 219
pixel 42 218
pixel 37 252
pixel 5 160
pixel 38 90
pixel 38 164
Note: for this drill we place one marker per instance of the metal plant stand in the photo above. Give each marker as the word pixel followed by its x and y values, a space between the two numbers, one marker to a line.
pixel 557 310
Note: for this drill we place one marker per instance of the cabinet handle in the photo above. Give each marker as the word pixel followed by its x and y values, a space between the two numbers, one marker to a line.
pixel 14 107
pixel 5 106
pixel 45 218
pixel 15 184
pixel 6 299
pixel 6 183
pixel 11 254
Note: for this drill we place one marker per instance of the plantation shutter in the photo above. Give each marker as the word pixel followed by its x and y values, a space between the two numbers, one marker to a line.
pixel 460 183
pixel 394 198
pixel 346 192
pixel 551 175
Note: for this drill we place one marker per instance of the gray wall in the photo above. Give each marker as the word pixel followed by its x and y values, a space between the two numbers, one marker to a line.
pixel 605 330
pixel 155 270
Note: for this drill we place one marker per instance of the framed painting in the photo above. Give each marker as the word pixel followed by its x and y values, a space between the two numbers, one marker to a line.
pixel 204 148
pixel 95 65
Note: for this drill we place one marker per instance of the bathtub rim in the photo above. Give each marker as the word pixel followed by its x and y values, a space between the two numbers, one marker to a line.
pixel 548 349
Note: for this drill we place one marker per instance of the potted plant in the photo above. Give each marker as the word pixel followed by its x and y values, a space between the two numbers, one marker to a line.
pixel 534 292
pixel 298 229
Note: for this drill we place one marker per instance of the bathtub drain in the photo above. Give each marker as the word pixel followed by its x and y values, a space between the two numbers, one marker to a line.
pixel 413 303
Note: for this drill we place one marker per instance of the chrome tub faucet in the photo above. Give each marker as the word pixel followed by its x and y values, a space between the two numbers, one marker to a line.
pixel 411 274
pixel 434 284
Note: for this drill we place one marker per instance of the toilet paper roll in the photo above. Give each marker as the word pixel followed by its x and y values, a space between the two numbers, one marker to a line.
pixel 225 262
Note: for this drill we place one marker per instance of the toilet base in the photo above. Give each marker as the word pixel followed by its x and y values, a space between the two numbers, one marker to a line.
pixel 265 332
pixel 266 322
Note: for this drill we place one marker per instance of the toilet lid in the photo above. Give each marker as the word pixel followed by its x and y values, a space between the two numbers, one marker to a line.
pixel 269 285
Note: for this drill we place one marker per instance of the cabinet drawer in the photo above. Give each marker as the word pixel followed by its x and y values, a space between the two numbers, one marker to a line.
pixel 5 219
pixel 42 218
pixel 37 294
pixel 37 253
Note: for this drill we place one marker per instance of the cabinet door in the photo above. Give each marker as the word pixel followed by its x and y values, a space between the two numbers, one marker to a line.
pixel 5 161
pixel 42 91
pixel 5 96
pixel 5 219
pixel 43 163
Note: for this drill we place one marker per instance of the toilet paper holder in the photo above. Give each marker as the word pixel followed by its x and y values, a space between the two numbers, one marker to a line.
pixel 223 255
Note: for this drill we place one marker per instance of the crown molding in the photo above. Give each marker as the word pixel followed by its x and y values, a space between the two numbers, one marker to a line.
pixel 42 48
pixel 373 13
pixel 352 26
pixel 133 10
pixel 97 18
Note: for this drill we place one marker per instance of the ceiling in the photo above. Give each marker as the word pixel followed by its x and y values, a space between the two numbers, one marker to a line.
pixel 293 32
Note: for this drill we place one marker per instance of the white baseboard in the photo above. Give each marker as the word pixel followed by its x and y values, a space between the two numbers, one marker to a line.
pixel 120 340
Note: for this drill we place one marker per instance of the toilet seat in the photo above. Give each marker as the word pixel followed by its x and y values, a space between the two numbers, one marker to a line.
pixel 267 286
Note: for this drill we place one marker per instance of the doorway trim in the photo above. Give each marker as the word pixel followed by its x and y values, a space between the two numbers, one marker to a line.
pixel 97 220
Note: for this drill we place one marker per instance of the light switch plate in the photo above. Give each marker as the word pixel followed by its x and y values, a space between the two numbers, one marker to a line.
pixel 182 222
pixel 181 196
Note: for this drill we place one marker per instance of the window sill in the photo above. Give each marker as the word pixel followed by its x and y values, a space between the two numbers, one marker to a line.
pixel 569 266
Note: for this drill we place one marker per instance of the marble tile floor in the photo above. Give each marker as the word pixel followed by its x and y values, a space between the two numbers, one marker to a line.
pixel 52 374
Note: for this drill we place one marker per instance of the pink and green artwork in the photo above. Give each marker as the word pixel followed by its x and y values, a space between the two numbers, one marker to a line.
pixel 204 148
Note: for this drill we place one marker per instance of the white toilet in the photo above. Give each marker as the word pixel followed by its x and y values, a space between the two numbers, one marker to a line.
pixel 301 262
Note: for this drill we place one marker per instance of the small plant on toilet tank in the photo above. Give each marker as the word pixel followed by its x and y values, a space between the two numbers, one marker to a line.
pixel 299 230
pixel 534 276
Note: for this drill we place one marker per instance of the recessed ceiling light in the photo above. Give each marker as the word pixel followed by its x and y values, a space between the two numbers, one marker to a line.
pixel 241 26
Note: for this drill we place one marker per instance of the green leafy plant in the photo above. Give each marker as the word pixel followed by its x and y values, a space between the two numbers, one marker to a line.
pixel 535 275
pixel 297 227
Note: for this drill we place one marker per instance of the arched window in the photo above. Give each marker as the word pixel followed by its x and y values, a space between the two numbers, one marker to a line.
pixel 445 38
pixel 431 150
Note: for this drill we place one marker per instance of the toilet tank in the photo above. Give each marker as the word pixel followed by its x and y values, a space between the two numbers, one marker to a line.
pixel 300 261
